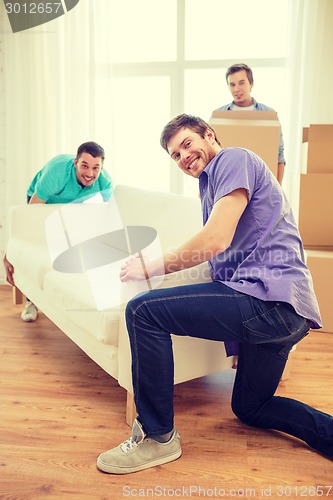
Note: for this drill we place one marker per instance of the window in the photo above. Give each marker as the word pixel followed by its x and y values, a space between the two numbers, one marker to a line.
pixel 141 107
pixel 176 64
pixel 220 29
pixel 142 31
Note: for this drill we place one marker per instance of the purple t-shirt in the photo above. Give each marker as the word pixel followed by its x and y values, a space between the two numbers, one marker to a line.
pixel 266 257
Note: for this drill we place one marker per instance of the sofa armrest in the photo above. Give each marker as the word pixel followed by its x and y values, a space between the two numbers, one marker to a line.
pixel 23 218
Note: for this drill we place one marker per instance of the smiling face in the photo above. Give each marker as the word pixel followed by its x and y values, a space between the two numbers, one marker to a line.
pixel 240 88
pixel 88 169
pixel 191 152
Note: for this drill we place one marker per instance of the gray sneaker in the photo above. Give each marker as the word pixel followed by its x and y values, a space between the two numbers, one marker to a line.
pixel 30 312
pixel 139 452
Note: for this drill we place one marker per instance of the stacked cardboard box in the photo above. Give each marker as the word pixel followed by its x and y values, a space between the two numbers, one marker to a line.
pixel 316 215
pixel 258 131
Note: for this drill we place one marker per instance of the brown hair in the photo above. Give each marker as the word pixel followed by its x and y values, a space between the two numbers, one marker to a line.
pixel 91 148
pixel 239 67
pixel 184 121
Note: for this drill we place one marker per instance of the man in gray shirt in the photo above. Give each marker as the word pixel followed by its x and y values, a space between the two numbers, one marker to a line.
pixel 240 82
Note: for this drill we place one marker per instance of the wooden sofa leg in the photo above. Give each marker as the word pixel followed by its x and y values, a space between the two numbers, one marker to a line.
pixel 17 296
pixel 130 409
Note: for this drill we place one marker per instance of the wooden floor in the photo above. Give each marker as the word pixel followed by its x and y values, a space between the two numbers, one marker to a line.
pixel 59 410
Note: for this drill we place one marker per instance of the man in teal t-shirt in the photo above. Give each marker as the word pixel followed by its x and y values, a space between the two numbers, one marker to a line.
pixel 65 179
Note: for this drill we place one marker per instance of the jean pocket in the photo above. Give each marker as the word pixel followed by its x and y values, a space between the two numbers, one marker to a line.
pixel 280 323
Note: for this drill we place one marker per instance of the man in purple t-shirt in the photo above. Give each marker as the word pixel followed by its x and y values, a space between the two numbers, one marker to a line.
pixel 261 298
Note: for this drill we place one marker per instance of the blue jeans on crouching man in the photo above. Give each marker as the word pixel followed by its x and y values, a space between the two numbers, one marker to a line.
pixel 266 332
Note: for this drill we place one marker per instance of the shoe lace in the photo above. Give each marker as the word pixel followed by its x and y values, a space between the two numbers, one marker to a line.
pixel 128 445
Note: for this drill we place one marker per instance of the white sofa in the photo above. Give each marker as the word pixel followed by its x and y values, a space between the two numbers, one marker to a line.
pixel 87 303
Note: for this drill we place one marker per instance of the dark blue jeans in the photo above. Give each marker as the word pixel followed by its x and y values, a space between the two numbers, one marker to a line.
pixel 266 332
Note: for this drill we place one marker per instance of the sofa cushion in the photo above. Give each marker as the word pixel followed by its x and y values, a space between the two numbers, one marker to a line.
pixel 174 217
pixel 71 293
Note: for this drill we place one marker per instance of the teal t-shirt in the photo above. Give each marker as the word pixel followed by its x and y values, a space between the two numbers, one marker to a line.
pixel 57 183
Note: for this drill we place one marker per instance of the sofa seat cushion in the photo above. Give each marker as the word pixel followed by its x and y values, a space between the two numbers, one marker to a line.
pixel 71 294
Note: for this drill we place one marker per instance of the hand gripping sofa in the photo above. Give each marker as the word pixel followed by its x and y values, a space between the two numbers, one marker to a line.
pixel 68 265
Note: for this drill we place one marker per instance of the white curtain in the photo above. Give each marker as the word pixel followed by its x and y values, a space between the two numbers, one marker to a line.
pixel 309 81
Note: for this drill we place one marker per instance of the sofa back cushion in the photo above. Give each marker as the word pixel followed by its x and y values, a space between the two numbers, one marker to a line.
pixel 176 218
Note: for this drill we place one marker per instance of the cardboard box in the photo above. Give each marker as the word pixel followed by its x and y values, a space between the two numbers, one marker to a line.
pixel 319 139
pixel 320 264
pixel 258 131
pixel 316 210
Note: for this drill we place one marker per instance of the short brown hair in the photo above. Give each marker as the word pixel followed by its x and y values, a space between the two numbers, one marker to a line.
pixel 91 148
pixel 184 121
pixel 239 67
